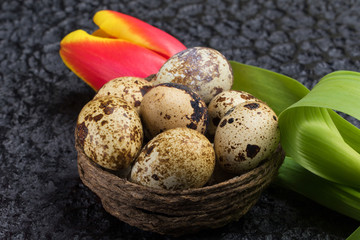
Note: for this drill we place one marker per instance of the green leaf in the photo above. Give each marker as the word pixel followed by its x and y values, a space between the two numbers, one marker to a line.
pixel 355 235
pixel 349 132
pixel 339 90
pixel 320 140
pixel 277 90
pixel 311 132
pixel 310 137
pixel 320 145
pixel 337 197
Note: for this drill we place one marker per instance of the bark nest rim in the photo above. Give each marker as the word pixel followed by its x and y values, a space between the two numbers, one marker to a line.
pixel 179 212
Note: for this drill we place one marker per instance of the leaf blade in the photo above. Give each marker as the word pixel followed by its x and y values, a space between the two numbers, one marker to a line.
pixel 339 91
pixel 311 120
pixel 340 198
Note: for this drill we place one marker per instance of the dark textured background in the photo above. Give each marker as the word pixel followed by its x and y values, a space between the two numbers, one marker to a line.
pixel 41 195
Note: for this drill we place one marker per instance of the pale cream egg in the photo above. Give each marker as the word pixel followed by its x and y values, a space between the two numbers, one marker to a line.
pixel 110 132
pixel 247 135
pixel 204 70
pixel 177 159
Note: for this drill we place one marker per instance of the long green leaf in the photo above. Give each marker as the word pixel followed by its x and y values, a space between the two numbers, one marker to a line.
pixel 339 90
pixel 325 145
pixel 349 132
pixel 340 198
pixel 310 137
pixel 311 133
pixel 319 140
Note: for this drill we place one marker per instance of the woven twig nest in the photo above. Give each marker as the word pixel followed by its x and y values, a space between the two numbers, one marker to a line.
pixel 178 212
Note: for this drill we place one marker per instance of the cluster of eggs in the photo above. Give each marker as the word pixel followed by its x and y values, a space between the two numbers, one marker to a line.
pixel 171 130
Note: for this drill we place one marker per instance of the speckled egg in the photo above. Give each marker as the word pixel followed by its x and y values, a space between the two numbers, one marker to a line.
pixel 131 89
pixel 171 105
pixel 205 70
pixel 222 103
pixel 110 132
pixel 179 158
pixel 246 136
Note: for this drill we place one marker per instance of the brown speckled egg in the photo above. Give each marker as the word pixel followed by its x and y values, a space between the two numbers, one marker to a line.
pixel 171 105
pixel 222 103
pixel 110 132
pixel 131 89
pixel 247 134
pixel 205 70
pixel 180 158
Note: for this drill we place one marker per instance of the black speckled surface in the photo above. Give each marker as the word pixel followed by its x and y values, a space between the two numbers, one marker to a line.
pixel 41 195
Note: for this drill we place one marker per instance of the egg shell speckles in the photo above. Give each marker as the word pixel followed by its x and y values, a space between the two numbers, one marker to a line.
pixel 110 132
pixel 205 70
pixel 246 136
pixel 176 159
pixel 222 103
pixel 131 89
pixel 171 105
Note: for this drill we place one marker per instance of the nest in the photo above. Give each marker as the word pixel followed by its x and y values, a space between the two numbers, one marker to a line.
pixel 176 213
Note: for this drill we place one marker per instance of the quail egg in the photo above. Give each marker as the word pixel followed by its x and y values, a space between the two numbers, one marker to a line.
pixel 205 70
pixel 171 105
pixel 222 103
pixel 246 135
pixel 179 158
pixel 131 89
pixel 110 132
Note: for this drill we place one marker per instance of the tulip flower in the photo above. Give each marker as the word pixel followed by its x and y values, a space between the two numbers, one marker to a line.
pixel 122 46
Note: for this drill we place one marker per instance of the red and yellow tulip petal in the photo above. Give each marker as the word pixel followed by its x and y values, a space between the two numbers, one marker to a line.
pixel 100 33
pixel 141 33
pixel 97 60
